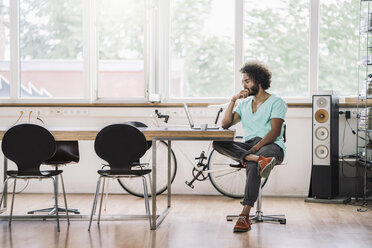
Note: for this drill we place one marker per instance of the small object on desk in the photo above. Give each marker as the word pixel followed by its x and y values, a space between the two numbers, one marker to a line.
pixel 204 127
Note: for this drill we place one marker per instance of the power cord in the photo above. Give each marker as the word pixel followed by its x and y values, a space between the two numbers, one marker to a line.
pixel 38 118
pixel 18 118
pixel 10 185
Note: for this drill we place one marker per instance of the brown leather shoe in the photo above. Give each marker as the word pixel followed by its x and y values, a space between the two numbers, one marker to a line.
pixel 242 224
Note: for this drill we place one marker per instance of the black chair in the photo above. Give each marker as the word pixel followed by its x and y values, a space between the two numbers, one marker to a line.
pixel 67 152
pixel 28 145
pixel 137 162
pixel 120 145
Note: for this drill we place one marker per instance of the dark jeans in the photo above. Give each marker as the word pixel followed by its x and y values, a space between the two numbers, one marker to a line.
pixel 237 151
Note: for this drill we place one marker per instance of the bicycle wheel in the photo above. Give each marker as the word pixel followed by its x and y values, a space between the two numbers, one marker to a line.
pixel 134 185
pixel 227 180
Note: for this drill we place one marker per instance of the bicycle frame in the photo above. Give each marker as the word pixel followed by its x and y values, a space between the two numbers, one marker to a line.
pixel 209 152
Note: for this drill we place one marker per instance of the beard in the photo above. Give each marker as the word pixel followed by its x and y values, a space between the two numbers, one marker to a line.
pixel 253 91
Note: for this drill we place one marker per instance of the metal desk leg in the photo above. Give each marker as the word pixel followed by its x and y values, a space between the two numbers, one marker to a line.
pixel 157 220
pixel 153 187
pixel 169 173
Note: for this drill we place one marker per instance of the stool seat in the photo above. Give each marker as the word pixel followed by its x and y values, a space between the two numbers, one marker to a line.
pixel 123 173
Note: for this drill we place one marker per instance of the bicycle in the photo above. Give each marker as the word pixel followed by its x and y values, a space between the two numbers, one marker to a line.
pixel 226 178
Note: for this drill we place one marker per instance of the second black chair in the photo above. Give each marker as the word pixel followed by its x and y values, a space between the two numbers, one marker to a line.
pixel 120 145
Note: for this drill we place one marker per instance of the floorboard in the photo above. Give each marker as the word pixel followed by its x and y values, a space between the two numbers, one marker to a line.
pixel 194 221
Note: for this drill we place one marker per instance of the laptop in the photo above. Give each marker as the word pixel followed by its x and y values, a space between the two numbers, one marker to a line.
pixel 191 122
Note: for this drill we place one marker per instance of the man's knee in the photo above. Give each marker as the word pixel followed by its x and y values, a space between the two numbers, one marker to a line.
pixel 271 150
pixel 217 145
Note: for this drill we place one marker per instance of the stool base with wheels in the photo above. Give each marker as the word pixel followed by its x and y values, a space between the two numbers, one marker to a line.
pixel 259 217
pixel 67 152
pixel 53 210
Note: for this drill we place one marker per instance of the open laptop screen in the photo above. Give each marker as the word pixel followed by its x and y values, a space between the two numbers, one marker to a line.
pixel 188 115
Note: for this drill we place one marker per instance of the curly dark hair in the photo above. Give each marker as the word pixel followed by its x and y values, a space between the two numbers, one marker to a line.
pixel 258 72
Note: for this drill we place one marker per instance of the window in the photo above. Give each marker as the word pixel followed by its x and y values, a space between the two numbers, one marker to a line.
pixel 121 46
pixel 4 49
pixel 338 46
pixel 277 34
pixel 51 48
pixel 202 49
pixel 177 50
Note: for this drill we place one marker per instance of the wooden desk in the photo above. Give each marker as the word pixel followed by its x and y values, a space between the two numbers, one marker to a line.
pixel 153 134
pixel 150 133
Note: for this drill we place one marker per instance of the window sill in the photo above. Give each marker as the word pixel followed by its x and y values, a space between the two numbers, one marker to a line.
pixel 345 102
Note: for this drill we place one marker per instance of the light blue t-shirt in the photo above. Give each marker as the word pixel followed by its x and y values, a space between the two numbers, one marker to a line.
pixel 259 124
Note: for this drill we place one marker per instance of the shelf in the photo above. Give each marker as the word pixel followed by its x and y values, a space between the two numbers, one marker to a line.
pixel 365 130
pixel 365 147
pixel 363 163
pixel 364 144
pixel 362 64
pixel 365 97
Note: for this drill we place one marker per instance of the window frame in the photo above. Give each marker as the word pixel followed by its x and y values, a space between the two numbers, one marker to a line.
pixel 157 40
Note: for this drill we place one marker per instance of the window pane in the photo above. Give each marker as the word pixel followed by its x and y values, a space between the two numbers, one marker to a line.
pixel 202 48
pixel 338 46
pixel 277 34
pixel 51 48
pixel 121 29
pixel 4 49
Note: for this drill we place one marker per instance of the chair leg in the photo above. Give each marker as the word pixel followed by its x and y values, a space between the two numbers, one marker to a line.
pixel 100 204
pixel 11 208
pixel 56 200
pixel 64 197
pixel 94 202
pixel 3 192
pixel 146 196
pixel 150 180
pixel 107 192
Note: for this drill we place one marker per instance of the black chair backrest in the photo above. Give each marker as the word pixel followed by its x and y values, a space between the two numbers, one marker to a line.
pixel 136 123
pixel 139 124
pixel 28 145
pixel 120 145
pixel 67 152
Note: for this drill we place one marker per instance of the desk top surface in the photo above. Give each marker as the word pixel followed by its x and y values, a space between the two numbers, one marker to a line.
pixel 169 133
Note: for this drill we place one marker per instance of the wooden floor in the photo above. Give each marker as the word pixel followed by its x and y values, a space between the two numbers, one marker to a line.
pixel 194 221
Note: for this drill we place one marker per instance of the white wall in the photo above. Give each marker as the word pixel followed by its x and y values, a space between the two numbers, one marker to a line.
pixel 291 179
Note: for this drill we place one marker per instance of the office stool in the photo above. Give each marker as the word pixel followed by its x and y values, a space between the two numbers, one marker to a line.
pixel 67 153
pixel 258 216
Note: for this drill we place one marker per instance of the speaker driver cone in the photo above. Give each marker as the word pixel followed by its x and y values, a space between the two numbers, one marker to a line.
pixel 321 102
pixel 321 133
pixel 321 116
pixel 321 151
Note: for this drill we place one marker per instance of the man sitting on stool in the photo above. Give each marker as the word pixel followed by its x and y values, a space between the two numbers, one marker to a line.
pixel 262 116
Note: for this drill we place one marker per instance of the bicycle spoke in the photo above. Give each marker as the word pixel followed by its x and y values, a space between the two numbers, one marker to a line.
pixel 134 186
pixel 228 182
pixel 234 171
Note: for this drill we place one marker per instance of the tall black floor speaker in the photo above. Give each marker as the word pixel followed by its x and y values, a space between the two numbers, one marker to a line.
pixel 324 171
